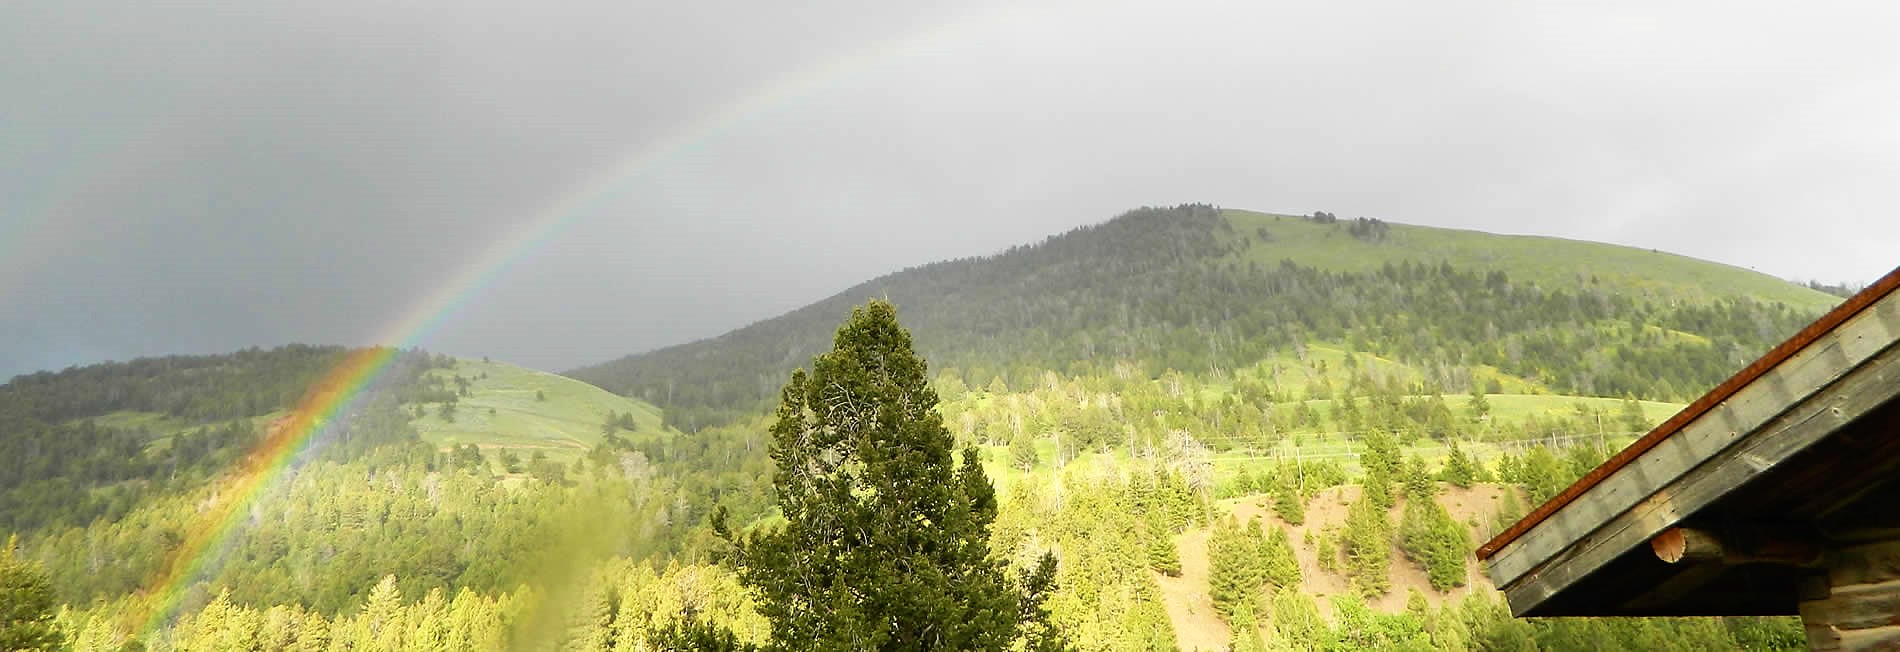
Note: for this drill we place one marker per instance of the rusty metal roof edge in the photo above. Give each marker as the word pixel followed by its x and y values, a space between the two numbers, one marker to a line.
pixel 1841 313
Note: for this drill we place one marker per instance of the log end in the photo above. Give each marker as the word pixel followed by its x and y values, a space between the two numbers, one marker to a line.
pixel 1669 545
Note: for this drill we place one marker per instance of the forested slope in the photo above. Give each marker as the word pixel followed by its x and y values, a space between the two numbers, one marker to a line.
pixel 1197 289
pixel 1234 429
pixel 123 464
pixel 90 441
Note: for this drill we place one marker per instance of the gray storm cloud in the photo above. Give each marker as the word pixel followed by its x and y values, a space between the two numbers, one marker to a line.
pixel 202 178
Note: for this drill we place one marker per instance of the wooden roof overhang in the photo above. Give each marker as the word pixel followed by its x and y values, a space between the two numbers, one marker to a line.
pixel 1799 447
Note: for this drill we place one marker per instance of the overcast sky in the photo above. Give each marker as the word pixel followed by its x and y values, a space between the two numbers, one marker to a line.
pixel 210 176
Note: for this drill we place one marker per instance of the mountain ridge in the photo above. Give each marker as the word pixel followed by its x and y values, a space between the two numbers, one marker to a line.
pixel 1198 288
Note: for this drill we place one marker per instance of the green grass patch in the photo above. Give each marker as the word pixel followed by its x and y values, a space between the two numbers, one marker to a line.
pixel 1329 362
pixel 162 427
pixel 157 423
pixel 503 411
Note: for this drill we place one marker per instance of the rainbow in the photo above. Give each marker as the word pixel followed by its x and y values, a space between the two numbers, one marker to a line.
pixel 217 524
pixel 269 459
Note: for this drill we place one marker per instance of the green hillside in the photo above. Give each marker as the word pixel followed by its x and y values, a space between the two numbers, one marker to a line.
pixel 506 407
pixel 1312 376
pixel 1546 261
pixel 1201 290
pixel 1235 430
pixel 90 441
pixel 510 407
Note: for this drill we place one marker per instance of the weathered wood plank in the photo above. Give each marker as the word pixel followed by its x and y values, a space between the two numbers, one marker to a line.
pixel 1823 363
pixel 1861 565
pixel 1860 610
pixel 1878 638
pixel 1822 638
pixel 1856 607
pixel 1866 387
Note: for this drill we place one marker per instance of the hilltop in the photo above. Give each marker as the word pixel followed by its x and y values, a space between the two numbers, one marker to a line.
pixel 1202 290
pixel 1552 263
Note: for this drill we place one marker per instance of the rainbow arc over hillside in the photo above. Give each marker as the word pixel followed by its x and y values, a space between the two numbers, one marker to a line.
pixel 331 398
pixel 324 402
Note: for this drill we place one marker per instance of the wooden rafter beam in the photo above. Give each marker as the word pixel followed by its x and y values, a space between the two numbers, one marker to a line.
pixel 1752 546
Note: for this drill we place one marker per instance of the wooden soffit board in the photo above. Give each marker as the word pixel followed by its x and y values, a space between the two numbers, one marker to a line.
pixel 1829 381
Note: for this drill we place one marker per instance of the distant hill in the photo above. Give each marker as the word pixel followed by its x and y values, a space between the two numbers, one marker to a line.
pixel 1204 290
pixel 91 441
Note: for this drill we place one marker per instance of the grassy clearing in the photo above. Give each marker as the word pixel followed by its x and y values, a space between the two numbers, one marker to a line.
pixel 1328 362
pixel 1548 262
pixel 162 427
pixel 1505 407
pixel 159 424
pixel 502 411
pixel 1519 406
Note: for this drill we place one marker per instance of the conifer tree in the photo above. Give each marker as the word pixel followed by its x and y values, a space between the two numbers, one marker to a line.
pixel 593 630
pixel 1459 469
pixel 1282 568
pixel 1477 405
pixel 1246 634
pixel 1367 543
pixel 1419 484
pixel 1382 463
pixel 885 542
pixel 1296 617
pixel 1162 555
pixel 313 633
pixel 1022 453
pixel 1436 541
pixel 1234 572
pixel 1632 415
pixel 26 605
pixel 1290 505
pixel 381 618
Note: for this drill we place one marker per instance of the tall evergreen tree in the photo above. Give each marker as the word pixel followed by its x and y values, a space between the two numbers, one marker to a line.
pixel 26 605
pixel 1367 543
pixel 1280 565
pixel 1231 580
pixel 1162 555
pixel 885 544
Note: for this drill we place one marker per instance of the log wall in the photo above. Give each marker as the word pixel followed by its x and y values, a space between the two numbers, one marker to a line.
pixel 1858 606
